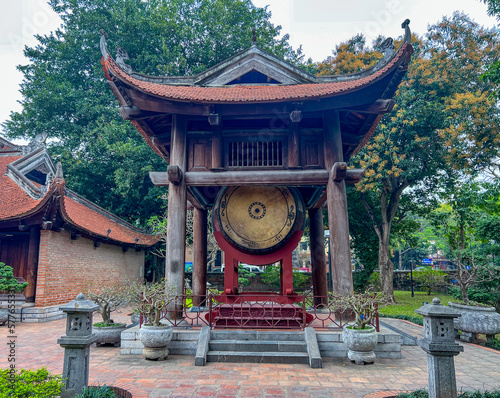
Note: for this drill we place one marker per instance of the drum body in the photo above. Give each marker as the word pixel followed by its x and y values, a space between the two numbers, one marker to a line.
pixel 258 219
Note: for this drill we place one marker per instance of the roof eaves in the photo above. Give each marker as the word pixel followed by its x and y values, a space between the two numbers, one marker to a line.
pixel 92 206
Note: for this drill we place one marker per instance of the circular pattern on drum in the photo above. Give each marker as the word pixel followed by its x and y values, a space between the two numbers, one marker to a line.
pixel 259 218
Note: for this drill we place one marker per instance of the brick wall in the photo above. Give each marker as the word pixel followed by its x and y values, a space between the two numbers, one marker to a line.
pixel 65 266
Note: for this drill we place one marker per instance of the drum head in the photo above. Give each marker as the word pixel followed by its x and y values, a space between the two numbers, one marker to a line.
pixel 259 218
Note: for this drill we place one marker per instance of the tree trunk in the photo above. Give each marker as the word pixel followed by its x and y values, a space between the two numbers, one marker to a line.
pixel 385 264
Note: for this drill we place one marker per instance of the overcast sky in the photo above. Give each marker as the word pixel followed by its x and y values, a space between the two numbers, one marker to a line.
pixel 317 25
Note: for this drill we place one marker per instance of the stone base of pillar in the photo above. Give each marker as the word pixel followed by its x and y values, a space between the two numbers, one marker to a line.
pixel 441 372
pixel 155 354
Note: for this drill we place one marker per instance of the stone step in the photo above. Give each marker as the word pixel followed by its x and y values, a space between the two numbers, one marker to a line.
pixel 258 357
pixel 258 335
pixel 257 346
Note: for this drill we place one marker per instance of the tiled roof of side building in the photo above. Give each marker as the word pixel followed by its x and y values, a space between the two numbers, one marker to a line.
pixel 14 202
pixel 97 222
pixel 257 93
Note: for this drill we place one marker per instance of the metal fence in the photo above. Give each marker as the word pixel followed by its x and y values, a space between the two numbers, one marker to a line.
pixel 261 311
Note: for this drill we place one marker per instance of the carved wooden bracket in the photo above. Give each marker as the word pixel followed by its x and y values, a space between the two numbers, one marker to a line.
pixel 174 174
pixel 339 171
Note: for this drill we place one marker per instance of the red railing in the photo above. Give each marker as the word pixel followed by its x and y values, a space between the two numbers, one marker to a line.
pixel 262 311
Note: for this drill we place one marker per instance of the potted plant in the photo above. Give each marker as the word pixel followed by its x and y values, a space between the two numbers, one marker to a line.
pixel 361 337
pixel 109 298
pixel 10 285
pixel 151 299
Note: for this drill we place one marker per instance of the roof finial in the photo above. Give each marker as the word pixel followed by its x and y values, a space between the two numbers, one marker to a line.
pixel 59 171
pixel 406 26
pixel 103 45
pixel 254 37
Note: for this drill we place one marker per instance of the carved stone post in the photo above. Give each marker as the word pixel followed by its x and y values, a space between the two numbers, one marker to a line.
pixel 439 344
pixel 76 343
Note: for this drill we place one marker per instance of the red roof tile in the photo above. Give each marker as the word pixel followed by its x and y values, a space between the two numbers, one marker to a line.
pixel 14 202
pixel 97 223
pixel 235 93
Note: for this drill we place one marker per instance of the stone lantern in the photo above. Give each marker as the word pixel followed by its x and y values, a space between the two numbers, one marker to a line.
pixel 77 341
pixel 439 343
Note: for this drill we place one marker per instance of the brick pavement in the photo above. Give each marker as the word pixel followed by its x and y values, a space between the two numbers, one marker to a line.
pixel 477 368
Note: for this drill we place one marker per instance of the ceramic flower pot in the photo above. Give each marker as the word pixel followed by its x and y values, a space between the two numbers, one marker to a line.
pixel 109 334
pixel 360 344
pixel 155 340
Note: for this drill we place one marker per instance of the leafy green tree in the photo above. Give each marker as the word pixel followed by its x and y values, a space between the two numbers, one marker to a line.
pixel 457 221
pixel 66 95
pixel 8 283
pixel 493 73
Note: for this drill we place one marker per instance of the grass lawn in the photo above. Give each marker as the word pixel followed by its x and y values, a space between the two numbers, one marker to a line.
pixel 406 305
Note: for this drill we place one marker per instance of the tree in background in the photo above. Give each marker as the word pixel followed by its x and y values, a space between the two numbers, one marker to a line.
pixel 444 123
pixel 457 221
pixel 65 93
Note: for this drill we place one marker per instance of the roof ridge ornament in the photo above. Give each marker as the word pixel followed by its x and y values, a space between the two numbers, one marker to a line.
pixel 121 57
pixel 254 37
pixel 103 45
pixel 36 143
pixel 406 26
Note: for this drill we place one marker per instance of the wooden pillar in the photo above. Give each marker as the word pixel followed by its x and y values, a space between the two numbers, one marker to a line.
pixel 318 258
pixel 293 145
pixel 338 221
pixel 217 161
pixel 33 248
pixel 200 257
pixel 176 226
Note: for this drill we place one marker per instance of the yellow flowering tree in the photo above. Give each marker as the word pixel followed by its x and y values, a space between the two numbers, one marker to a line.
pixel 444 124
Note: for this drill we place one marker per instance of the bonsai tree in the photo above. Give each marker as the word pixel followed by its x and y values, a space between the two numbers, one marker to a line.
pixel 363 305
pixel 8 282
pixel 151 299
pixel 109 298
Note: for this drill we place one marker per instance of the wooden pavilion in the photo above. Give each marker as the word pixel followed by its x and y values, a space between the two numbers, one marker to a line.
pixel 257 121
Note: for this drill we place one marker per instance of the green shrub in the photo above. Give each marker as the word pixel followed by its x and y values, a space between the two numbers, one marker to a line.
pixel 429 279
pixel 271 277
pixel 414 394
pixel 413 319
pixel 96 392
pixel 374 282
pixel 7 281
pixel 493 343
pixel 465 394
pixel 30 383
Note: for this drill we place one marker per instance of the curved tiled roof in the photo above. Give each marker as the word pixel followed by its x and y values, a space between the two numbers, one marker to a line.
pixel 96 223
pixel 257 93
pixel 14 202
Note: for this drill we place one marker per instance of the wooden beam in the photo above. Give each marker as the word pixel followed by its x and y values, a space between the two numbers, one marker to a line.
pixel 379 106
pixel 250 177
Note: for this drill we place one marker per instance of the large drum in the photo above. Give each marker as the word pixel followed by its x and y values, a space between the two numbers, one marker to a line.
pixel 258 219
